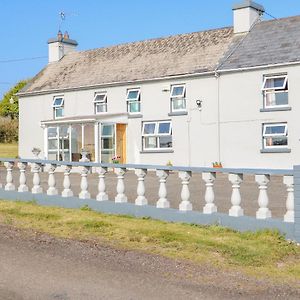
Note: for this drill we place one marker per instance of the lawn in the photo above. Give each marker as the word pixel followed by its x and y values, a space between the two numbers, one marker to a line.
pixel 9 150
pixel 264 253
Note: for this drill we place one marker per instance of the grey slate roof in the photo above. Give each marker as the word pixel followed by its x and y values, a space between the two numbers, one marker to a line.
pixel 269 42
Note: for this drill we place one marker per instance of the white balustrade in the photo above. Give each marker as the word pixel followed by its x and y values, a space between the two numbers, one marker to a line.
pixel 290 202
pixel 22 187
pixel 36 168
pixel 9 178
pixel 209 179
pixel 102 196
pixel 185 204
pixel 263 200
pixel 52 190
pixel 121 197
pixel 236 210
pixel 67 192
pixel 84 194
pixel 141 199
pixel 162 193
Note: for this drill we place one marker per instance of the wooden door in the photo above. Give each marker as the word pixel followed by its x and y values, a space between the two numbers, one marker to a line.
pixel 121 142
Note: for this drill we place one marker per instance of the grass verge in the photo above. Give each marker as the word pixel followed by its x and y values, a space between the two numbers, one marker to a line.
pixel 8 150
pixel 264 253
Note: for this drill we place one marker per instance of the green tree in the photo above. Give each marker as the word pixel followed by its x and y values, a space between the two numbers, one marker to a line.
pixel 9 106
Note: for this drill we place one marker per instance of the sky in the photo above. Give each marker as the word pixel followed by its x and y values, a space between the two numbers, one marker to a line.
pixel 25 26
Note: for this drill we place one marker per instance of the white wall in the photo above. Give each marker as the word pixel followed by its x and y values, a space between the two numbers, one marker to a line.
pixel 195 136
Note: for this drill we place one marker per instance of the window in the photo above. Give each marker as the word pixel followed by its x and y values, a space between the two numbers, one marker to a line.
pixel 100 103
pixel 275 136
pixel 157 135
pixel 58 107
pixel 178 101
pixel 133 101
pixel 275 91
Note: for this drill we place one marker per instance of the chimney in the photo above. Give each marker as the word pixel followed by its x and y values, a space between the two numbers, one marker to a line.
pixel 245 14
pixel 60 46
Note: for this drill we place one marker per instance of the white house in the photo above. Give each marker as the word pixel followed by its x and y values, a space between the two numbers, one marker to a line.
pixel 228 95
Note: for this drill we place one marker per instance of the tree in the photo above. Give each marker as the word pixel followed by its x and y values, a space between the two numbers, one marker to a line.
pixel 9 106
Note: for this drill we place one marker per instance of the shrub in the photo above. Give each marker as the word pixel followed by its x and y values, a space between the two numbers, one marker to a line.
pixel 8 130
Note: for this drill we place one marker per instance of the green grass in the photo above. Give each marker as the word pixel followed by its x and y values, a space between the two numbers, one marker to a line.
pixel 264 253
pixel 8 150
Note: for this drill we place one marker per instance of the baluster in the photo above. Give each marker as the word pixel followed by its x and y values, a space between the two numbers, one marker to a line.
pixel 185 204
pixel 67 192
pixel 290 214
pixel 162 193
pixel 36 189
pixel 141 199
pixel 102 196
pixel 263 200
pixel 84 194
pixel 209 179
pixel 120 198
pixel 22 187
pixel 236 210
pixel 52 190
pixel 9 178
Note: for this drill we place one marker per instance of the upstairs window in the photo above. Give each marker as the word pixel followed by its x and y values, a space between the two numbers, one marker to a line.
pixel 178 101
pixel 133 101
pixel 58 107
pixel 100 103
pixel 157 135
pixel 275 91
pixel 275 136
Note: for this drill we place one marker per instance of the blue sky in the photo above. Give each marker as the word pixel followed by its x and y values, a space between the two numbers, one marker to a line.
pixel 26 25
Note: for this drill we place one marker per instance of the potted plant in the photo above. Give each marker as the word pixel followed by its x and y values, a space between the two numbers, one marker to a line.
pixel 217 165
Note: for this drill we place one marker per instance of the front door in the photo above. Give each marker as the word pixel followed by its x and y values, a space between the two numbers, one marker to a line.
pixel 121 143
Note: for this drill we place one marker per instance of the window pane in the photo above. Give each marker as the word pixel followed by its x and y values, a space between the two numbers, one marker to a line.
pixel 100 97
pixel 107 130
pixel 165 142
pixel 58 102
pixel 275 129
pixel 52 144
pixel 178 104
pixel 134 107
pixel 100 107
pixel 149 128
pixel 164 128
pixel 273 99
pixel 275 83
pixel 59 112
pixel 178 91
pixel 89 141
pixel 276 141
pixel 150 142
pixel 76 141
pixel 133 95
pixel 52 131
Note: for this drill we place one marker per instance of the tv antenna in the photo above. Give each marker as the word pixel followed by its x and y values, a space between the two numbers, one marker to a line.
pixel 63 16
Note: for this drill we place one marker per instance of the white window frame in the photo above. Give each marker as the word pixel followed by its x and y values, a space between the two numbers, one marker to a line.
pixel 137 99
pixel 176 97
pixel 102 102
pixel 273 90
pixel 156 135
pixel 57 107
pixel 266 135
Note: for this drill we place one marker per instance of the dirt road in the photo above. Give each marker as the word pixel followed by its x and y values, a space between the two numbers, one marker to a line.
pixel 37 266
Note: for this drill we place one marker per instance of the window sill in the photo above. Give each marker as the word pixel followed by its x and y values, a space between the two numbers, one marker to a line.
pixel 134 116
pixel 283 150
pixel 177 113
pixel 276 109
pixel 157 151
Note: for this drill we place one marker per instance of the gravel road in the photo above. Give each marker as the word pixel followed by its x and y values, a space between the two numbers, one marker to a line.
pixel 38 266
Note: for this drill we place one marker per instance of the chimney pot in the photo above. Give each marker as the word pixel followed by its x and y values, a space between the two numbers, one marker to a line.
pixel 66 35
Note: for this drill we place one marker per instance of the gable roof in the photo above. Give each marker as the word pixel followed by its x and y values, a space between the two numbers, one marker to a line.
pixel 269 42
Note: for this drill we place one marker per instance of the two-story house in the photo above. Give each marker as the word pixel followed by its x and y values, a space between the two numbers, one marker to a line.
pixel 228 95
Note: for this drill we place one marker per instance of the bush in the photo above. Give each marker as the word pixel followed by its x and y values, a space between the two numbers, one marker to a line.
pixel 8 130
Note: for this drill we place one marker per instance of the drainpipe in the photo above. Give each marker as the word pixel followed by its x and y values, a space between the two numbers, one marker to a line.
pixel 217 76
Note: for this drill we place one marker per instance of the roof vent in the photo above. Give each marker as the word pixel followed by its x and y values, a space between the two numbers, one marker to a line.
pixel 245 15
